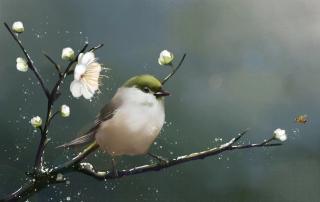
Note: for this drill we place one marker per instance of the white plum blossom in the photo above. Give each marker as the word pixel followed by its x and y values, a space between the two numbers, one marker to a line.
pixel 280 135
pixel 86 76
pixel 165 57
pixel 65 111
pixel 18 27
pixel 67 54
pixel 22 64
pixel 36 121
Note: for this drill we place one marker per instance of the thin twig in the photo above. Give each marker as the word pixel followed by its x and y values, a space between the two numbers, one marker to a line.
pixel 174 70
pixel 30 62
pixel 96 47
pixel 52 116
pixel 57 67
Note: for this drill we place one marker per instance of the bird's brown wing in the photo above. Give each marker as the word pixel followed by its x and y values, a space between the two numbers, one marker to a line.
pixel 105 113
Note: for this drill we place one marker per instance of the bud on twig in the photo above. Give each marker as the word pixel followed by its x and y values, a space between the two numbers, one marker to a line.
pixel 22 64
pixel 68 54
pixel 165 58
pixel 65 111
pixel 36 121
pixel 17 27
pixel 280 135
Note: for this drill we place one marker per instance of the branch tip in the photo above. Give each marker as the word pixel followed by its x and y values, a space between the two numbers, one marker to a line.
pixel 96 47
pixel 241 134
pixel 174 70
pixel 57 67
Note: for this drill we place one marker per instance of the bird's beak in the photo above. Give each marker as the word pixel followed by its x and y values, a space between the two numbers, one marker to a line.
pixel 161 93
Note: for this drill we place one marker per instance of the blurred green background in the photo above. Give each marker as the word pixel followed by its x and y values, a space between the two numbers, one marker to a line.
pixel 250 64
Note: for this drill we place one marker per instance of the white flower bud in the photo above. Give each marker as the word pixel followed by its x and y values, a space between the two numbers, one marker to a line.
pixel 165 57
pixel 22 64
pixel 17 27
pixel 65 111
pixel 59 177
pixel 280 135
pixel 68 54
pixel 36 121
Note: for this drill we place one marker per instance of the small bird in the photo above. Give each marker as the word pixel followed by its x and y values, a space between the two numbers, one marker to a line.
pixel 130 123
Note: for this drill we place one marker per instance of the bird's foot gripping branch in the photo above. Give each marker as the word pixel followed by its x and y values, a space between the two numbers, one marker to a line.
pixel 85 69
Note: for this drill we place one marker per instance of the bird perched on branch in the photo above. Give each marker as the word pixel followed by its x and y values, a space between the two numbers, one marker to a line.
pixel 130 123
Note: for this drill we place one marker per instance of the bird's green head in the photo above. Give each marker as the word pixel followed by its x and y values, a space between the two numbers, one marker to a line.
pixel 148 84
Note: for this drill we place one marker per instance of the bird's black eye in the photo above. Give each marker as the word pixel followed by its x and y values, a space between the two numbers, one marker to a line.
pixel 146 90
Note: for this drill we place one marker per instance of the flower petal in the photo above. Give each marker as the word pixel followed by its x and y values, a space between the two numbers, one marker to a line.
pixel 165 57
pixel 160 61
pixel 86 92
pixel 95 67
pixel 92 85
pixel 91 77
pixel 80 57
pixel 87 58
pixel 79 70
pixel 21 66
pixel 75 88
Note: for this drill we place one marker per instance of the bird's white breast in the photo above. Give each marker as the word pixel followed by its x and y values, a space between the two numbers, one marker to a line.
pixel 135 124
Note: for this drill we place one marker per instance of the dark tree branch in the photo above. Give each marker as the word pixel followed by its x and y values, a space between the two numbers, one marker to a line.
pixel 29 60
pixel 22 193
pixel 88 169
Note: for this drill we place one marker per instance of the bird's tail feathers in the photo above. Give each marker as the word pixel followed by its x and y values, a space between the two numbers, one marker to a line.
pixel 87 138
